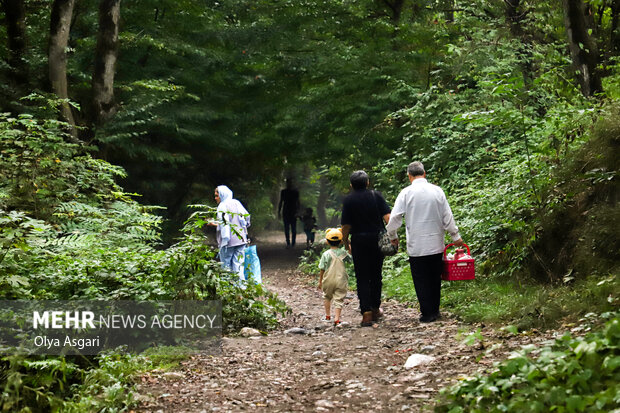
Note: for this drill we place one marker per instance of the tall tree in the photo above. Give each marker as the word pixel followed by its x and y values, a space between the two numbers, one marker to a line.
pixel 396 8
pixel 614 33
pixel 582 48
pixel 105 60
pixel 515 17
pixel 16 33
pixel 62 13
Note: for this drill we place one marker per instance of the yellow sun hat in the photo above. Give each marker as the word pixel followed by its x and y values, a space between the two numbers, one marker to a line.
pixel 333 234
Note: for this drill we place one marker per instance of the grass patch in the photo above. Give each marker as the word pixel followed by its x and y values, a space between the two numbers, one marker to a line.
pixel 495 300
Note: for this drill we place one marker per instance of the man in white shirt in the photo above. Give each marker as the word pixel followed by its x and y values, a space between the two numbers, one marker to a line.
pixel 427 218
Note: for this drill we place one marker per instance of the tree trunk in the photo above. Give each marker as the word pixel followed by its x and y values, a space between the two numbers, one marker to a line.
pixel 62 12
pixel 105 61
pixel 16 33
pixel 449 13
pixel 583 50
pixel 515 18
pixel 322 202
pixel 614 35
pixel 397 8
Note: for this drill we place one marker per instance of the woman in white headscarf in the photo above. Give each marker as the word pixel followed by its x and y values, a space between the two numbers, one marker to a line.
pixel 233 221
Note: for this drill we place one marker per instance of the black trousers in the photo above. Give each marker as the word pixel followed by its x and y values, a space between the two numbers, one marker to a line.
pixel 368 264
pixel 426 273
pixel 290 222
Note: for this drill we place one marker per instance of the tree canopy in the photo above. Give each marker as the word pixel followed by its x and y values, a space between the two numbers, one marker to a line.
pixel 185 95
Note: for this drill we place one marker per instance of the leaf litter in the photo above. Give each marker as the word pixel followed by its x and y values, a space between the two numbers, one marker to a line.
pixel 307 364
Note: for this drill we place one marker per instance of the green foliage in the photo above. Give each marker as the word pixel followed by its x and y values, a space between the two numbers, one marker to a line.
pixel 18 235
pixel 78 384
pixel 493 128
pixel 471 339
pixel 309 261
pixel 43 380
pixel 580 374
pixel 541 232
pixel 581 204
pixel 193 273
pixel 39 169
pixel 84 238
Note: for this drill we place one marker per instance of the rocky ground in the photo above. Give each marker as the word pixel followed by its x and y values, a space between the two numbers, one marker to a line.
pixel 308 365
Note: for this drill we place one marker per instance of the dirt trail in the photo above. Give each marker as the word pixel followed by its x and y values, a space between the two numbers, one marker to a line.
pixel 347 368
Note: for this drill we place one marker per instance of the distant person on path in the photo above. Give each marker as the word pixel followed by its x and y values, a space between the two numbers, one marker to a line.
pixel 333 277
pixel 288 209
pixel 232 224
pixel 309 222
pixel 362 212
pixel 428 217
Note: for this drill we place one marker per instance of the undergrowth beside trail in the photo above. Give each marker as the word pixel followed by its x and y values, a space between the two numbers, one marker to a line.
pixel 76 384
pixel 496 300
pixel 570 374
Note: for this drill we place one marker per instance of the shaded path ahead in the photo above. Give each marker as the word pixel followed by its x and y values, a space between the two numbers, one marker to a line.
pixel 347 368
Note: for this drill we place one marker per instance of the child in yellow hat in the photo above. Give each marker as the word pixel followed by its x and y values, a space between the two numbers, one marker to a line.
pixel 333 277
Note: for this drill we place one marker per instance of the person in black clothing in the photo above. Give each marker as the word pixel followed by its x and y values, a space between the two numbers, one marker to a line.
pixel 362 212
pixel 288 209
pixel 309 222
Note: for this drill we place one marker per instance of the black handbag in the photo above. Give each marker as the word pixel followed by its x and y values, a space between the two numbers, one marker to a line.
pixel 385 245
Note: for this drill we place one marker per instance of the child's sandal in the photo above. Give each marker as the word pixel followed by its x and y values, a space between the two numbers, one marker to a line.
pixel 336 323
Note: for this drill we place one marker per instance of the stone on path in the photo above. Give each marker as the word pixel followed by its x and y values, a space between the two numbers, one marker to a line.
pixel 173 376
pixel 250 332
pixel 428 349
pixel 326 404
pixel 296 330
pixel 415 360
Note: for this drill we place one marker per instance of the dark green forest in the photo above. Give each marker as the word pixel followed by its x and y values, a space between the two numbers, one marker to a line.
pixel 118 119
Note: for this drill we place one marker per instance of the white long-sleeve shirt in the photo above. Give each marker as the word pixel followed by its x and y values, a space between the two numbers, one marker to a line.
pixel 427 218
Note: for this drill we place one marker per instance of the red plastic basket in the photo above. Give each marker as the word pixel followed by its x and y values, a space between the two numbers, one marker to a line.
pixel 455 270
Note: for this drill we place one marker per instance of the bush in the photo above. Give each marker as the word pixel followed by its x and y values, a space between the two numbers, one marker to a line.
pixel 570 375
pixel 577 235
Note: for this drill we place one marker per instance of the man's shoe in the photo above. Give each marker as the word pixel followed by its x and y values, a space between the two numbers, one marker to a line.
pixel 377 314
pixel 429 318
pixel 366 319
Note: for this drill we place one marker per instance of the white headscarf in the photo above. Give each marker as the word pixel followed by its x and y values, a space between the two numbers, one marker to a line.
pixel 225 195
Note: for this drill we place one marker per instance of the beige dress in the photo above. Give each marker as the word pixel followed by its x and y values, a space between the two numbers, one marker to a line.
pixel 335 279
